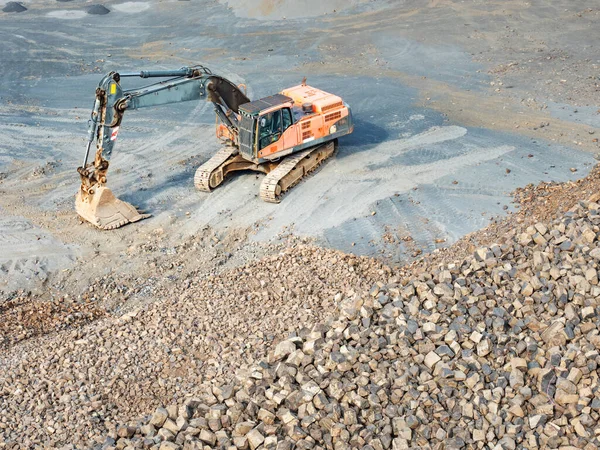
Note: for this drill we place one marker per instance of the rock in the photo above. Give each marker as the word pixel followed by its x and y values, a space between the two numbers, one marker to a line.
pixel 595 253
pixel 591 275
pixel 431 359
pixel 208 437
pixel 243 428
pixel 472 380
pixel 541 228
pixel 565 399
pixel 575 375
pixel 171 426
pixel 159 417
pixel 173 411
pixel 125 431
pixel 148 430
pixel 539 239
pixel 554 334
pixel 444 350
pixel 13 7
pixel 478 435
pixel 255 438
pixel 266 416
pixel 588 312
pixel 580 430
pixel 516 379
pixel 412 422
pixel 527 289
pixel 98 10
pixel 518 364
pixel 283 349
pixel 165 435
pixel 507 443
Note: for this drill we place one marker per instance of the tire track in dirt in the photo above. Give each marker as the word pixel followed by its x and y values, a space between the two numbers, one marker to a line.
pixel 29 253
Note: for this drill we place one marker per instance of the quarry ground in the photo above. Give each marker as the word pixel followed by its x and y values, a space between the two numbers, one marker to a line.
pixel 456 105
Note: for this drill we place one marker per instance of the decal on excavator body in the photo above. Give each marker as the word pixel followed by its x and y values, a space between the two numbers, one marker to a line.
pixel 113 135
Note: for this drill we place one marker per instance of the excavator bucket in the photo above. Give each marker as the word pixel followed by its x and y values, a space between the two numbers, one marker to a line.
pixel 106 211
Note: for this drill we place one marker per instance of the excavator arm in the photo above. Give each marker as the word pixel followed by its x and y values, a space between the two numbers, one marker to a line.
pixel 95 202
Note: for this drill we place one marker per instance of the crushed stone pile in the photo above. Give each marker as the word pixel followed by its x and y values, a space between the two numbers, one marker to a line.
pixel 497 350
pixel 74 386
pixel 546 199
pixel 536 203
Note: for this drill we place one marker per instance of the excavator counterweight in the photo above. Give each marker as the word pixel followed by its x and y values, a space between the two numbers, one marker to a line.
pixel 284 136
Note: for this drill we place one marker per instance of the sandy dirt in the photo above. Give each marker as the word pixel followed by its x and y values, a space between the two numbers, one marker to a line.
pixel 456 105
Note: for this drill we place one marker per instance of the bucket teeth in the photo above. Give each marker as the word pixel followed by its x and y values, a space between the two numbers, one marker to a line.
pixel 105 211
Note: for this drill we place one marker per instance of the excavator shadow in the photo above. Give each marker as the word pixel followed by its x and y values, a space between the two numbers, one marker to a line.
pixel 366 136
pixel 145 198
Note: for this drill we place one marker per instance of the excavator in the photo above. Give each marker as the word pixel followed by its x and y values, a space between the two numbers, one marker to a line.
pixel 285 136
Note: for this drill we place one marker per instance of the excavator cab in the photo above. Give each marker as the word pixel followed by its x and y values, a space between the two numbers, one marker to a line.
pixel 263 122
pixel 272 125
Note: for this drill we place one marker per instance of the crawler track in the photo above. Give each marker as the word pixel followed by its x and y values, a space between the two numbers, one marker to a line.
pixel 292 170
pixel 210 174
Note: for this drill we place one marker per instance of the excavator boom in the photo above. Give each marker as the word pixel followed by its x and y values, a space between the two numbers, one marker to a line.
pixel 94 201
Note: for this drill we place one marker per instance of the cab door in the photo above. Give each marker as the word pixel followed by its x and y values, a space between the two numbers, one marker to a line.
pixel 276 132
pixel 269 133
pixel 290 134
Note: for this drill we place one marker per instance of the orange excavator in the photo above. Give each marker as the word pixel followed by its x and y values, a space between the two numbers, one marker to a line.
pixel 285 136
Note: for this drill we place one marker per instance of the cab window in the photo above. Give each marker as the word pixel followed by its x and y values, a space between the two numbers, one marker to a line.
pixel 269 128
pixel 287 118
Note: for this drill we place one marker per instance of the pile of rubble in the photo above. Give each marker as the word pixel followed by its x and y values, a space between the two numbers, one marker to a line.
pixel 549 199
pixel 498 350
pixel 535 203
pixel 23 317
pixel 74 386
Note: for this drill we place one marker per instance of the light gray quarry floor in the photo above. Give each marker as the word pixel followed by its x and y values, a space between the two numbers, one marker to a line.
pixel 435 153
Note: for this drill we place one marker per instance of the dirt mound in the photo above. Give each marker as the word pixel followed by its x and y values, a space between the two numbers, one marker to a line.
pixel 14 7
pixel 535 203
pixel 545 200
pixel 414 357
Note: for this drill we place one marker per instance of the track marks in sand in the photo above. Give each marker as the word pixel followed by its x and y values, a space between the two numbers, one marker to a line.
pixel 29 253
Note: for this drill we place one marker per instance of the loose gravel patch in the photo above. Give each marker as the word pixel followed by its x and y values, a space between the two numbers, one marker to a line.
pixel 14 7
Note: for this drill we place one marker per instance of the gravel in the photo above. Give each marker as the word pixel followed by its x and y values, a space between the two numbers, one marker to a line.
pixel 98 10
pixel 504 354
pixel 72 386
pixel 493 347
